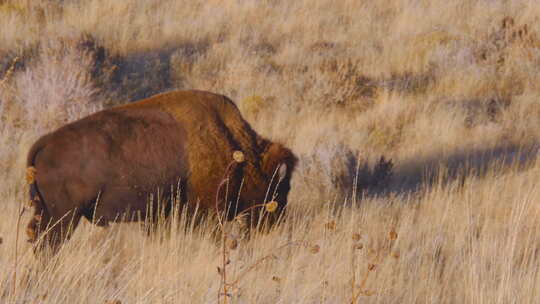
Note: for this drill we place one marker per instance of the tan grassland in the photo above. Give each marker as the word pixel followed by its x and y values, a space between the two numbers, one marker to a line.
pixel 448 90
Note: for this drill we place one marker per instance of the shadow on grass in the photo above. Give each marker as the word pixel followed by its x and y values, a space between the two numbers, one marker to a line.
pixel 412 176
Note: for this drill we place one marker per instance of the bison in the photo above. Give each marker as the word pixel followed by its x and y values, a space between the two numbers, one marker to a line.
pixel 104 167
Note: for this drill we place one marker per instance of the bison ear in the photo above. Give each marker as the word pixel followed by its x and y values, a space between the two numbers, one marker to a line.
pixel 276 157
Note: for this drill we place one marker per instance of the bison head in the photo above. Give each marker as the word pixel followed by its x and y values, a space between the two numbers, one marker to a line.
pixel 277 164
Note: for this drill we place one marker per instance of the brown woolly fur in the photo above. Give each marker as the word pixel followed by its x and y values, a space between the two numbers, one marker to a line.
pixel 106 166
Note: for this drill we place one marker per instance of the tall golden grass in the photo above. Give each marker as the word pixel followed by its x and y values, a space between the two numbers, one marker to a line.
pixel 447 90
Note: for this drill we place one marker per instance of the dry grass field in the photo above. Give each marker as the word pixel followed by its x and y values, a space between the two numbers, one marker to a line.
pixel 448 90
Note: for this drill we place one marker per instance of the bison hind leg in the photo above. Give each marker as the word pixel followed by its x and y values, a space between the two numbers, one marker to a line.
pixel 32 230
pixel 60 230
pixel 50 231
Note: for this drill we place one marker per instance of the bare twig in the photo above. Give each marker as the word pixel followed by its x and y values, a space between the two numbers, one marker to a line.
pixel 15 265
pixel 223 269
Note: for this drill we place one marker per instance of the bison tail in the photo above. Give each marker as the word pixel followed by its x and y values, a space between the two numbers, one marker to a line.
pixel 41 217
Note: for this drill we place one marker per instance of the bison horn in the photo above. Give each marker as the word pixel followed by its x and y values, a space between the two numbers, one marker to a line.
pixel 282 171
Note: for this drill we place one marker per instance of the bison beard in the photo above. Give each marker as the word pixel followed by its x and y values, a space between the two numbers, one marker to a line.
pixel 105 166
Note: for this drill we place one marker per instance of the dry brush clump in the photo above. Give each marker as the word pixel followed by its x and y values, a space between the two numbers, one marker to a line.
pixel 336 173
pixel 44 90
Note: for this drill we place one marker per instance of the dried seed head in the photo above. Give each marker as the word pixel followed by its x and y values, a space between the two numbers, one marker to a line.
pixel 271 206
pixel 356 237
pixel 371 267
pixel 276 279
pixel 359 246
pixel 241 219
pixel 219 270
pixel 395 254
pixel 330 225
pixel 315 249
pixel 1 240
pixel 392 235
pixel 238 156
pixel 233 244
